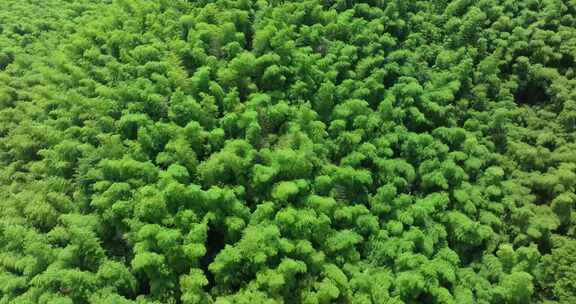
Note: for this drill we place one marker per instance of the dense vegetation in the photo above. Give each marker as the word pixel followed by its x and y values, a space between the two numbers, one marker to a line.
pixel 269 151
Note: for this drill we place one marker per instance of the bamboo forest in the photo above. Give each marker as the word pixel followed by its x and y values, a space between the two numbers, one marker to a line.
pixel 286 152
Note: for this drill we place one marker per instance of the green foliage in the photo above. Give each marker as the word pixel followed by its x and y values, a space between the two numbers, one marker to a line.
pixel 268 151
